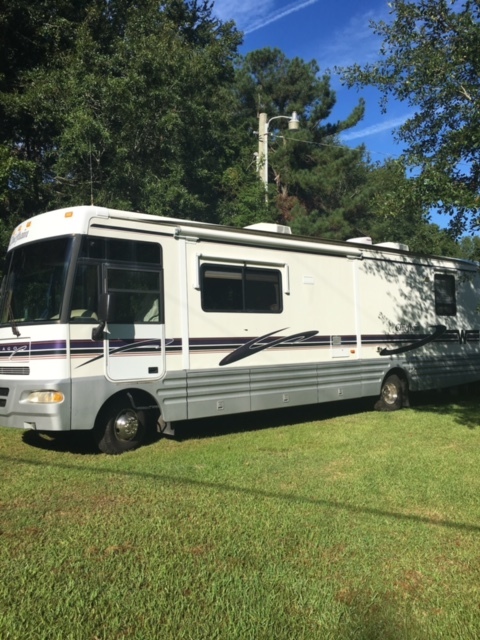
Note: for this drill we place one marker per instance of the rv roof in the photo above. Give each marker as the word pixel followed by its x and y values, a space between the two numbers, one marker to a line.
pixel 78 219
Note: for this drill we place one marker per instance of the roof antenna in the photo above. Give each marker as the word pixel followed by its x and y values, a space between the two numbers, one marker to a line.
pixel 91 176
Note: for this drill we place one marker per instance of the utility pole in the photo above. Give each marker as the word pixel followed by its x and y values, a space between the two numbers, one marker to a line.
pixel 262 157
pixel 263 148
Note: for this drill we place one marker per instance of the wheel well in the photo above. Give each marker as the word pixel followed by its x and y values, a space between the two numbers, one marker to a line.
pixel 138 398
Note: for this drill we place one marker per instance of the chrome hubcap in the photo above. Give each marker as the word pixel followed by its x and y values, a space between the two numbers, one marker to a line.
pixel 126 425
pixel 390 393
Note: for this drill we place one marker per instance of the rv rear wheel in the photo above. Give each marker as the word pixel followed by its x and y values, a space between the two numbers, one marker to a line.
pixel 391 395
pixel 120 427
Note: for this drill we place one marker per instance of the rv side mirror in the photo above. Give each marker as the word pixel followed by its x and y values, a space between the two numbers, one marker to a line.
pixel 106 312
pixel 105 307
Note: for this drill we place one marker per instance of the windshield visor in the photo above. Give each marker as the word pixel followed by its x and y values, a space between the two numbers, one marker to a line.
pixel 33 290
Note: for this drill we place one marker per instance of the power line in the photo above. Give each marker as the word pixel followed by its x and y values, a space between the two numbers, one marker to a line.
pixel 336 146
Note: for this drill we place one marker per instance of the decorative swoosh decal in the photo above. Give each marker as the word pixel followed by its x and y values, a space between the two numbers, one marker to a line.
pixel 439 330
pixel 133 346
pixel 258 344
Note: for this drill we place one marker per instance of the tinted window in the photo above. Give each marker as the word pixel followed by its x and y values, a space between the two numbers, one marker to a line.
pixel 85 294
pixel 445 299
pixel 137 295
pixel 131 272
pixel 113 250
pixel 241 289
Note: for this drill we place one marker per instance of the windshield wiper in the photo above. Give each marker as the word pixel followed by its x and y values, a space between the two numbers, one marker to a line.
pixel 11 317
pixel 15 330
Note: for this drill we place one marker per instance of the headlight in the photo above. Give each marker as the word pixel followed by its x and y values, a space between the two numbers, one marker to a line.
pixel 45 397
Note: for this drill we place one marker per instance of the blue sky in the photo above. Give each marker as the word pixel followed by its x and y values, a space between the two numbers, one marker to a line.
pixel 332 33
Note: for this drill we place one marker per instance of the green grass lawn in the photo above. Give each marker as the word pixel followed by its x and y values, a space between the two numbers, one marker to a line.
pixel 330 523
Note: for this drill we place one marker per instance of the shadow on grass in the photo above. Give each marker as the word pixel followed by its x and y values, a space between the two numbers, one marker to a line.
pixel 77 442
pixel 258 420
pixel 81 442
pixel 460 403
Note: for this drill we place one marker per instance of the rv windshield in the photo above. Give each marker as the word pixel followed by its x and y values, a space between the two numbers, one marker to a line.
pixel 34 284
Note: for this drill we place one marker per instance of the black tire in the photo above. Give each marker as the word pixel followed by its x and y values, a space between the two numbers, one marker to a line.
pixel 120 427
pixel 392 395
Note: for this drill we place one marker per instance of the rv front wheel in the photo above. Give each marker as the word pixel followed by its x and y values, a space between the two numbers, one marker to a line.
pixel 391 395
pixel 120 427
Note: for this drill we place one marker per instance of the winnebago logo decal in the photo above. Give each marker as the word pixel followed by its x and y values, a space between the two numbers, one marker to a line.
pixel 9 351
pixel 439 330
pixel 259 344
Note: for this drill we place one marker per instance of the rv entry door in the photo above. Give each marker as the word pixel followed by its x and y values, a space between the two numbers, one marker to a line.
pixel 135 331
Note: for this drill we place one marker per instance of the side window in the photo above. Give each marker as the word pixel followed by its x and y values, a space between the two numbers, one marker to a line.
pixel 262 291
pixel 240 289
pixel 116 250
pixel 136 293
pixel 222 288
pixel 85 294
pixel 445 298
pixel 131 270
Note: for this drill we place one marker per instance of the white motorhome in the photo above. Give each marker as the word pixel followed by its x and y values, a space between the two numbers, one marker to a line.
pixel 114 322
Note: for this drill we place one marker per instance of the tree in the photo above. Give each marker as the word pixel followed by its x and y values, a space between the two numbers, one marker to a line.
pixel 153 134
pixel 469 248
pixel 146 105
pixel 128 102
pixel 34 36
pixel 316 182
pixel 399 212
pixel 317 185
pixel 430 59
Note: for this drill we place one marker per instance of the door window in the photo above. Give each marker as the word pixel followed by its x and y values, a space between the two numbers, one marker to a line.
pixel 136 294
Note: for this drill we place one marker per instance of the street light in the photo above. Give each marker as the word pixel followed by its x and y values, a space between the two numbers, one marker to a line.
pixel 263 126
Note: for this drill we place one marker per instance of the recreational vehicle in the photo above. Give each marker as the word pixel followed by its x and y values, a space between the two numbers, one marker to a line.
pixel 116 323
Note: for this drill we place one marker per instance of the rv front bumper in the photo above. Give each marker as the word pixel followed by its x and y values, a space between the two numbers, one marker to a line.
pixel 39 405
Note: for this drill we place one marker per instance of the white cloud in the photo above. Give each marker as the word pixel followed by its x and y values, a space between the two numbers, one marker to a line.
pixel 278 15
pixel 244 12
pixel 252 15
pixel 379 127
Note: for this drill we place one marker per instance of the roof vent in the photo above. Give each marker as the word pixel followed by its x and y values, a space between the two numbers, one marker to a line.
pixel 364 240
pixel 393 245
pixel 270 227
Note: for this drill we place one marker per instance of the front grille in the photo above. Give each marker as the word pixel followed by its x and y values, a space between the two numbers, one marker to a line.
pixel 3 396
pixel 14 371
